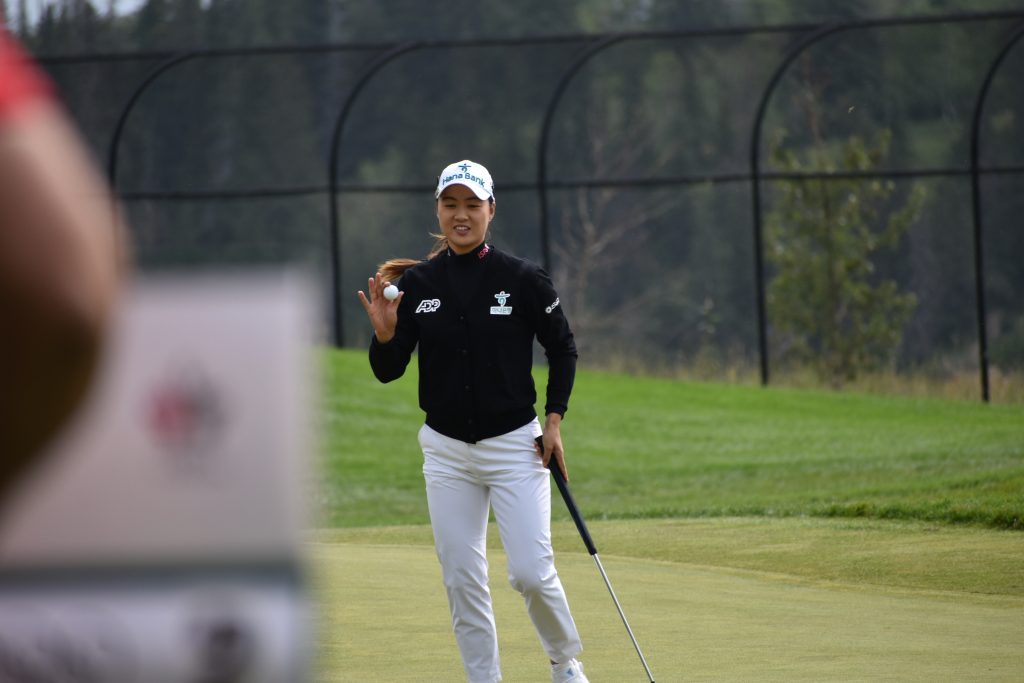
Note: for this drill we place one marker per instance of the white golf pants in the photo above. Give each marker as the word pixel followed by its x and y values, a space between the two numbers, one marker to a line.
pixel 463 480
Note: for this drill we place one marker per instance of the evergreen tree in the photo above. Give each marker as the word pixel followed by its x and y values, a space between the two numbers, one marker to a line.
pixel 828 305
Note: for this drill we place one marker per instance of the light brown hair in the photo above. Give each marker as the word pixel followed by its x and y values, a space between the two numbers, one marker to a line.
pixel 392 269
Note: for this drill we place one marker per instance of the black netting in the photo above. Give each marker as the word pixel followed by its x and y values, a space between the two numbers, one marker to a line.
pixel 224 160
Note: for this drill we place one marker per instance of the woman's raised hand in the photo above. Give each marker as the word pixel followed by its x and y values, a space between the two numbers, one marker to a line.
pixel 383 314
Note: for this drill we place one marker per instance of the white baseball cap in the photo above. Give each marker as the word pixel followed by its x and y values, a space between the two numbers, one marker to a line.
pixel 468 173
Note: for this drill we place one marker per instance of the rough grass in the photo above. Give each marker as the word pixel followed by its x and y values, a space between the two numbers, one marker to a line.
pixel 659 448
pixel 876 553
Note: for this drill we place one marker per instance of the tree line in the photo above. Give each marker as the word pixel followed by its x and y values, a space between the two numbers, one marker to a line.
pixel 862 275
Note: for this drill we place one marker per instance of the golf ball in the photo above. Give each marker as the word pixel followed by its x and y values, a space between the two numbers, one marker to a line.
pixel 391 292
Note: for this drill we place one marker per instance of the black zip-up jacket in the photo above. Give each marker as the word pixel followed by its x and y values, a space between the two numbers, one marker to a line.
pixel 474 317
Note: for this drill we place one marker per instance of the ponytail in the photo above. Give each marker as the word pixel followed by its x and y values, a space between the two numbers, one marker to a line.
pixel 392 269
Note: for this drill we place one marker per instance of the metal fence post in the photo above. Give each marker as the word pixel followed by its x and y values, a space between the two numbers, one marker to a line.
pixel 332 175
pixel 979 269
pixel 755 185
pixel 115 141
pixel 545 133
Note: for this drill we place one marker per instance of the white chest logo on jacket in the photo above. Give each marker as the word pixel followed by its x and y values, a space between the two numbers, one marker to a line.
pixel 501 308
pixel 428 306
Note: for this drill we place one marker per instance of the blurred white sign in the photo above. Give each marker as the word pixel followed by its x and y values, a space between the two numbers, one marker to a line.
pixel 161 540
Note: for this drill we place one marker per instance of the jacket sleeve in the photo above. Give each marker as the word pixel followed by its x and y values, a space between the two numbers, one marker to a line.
pixel 556 337
pixel 389 360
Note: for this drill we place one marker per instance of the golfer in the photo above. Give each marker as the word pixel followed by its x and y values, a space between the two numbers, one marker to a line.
pixel 474 312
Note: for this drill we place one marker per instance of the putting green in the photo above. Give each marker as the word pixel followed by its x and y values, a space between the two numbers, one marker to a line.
pixel 383 617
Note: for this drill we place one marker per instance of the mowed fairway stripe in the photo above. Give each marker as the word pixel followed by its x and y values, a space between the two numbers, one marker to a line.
pixel 384 617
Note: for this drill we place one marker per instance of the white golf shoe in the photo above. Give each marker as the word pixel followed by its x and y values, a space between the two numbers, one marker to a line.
pixel 568 672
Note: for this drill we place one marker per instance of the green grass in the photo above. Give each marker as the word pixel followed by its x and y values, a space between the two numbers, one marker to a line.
pixel 751 534
pixel 841 601
pixel 915 556
pixel 658 448
pixel 881 554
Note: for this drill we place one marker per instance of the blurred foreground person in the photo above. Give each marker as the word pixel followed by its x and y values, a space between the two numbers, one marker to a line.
pixel 164 542
pixel 59 264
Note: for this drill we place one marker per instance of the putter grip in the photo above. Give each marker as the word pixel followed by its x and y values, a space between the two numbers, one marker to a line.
pixel 570 502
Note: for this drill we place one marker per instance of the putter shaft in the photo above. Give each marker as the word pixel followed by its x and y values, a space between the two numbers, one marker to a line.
pixel 600 568
pixel 581 526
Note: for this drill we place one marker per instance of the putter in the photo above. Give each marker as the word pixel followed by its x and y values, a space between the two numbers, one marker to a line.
pixel 581 526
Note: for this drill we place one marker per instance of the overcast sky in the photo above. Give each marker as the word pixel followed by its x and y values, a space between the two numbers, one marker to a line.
pixel 34 8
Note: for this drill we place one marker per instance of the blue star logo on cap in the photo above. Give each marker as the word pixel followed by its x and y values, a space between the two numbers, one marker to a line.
pixel 464 167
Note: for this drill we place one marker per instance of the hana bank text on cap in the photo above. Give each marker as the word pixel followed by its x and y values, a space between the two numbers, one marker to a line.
pixel 468 173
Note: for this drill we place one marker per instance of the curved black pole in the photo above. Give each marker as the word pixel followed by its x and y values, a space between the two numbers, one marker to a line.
pixel 176 59
pixel 755 183
pixel 332 175
pixel 979 270
pixel 115 142
pixel 545 132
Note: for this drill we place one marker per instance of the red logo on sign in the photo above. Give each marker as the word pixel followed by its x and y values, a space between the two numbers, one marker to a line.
pixel 185 413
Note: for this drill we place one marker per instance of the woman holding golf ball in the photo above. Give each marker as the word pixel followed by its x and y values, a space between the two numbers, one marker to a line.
pixel 474 312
